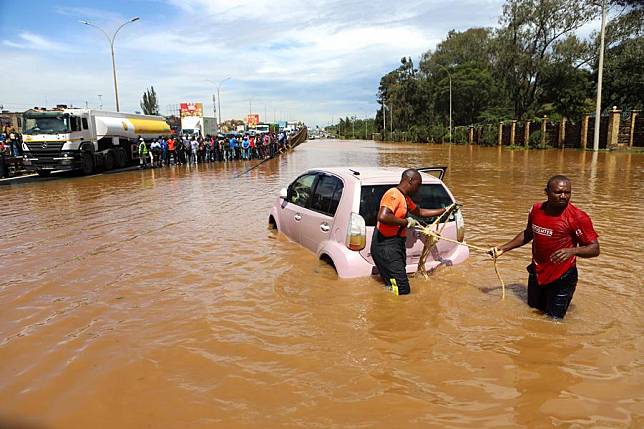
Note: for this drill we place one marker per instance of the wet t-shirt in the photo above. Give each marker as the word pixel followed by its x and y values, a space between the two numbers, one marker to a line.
pixel 569 229
pixel 399 204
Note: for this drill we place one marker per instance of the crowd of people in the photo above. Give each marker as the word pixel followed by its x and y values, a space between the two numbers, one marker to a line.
pixel 187 149
pixel 10 141
pixel 10 148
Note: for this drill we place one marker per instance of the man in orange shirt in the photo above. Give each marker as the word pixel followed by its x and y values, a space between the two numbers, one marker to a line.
pixel 171 152
pixel 388 242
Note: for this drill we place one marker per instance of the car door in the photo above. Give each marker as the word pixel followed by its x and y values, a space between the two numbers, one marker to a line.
pixel 317 218
pixel 298 196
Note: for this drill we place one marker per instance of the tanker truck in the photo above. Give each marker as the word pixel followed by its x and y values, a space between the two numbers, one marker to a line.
pixel 85 139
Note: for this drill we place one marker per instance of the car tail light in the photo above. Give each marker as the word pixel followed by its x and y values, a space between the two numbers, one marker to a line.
pixel 356 233
pixel 460 226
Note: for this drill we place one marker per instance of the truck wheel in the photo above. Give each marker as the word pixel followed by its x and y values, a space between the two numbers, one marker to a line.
pixel 44 173
pixel 87 163
pixel 108 161
pixel 121 158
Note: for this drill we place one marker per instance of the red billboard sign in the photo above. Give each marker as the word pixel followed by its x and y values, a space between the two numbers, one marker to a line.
pixel 191 109
pixel 252 120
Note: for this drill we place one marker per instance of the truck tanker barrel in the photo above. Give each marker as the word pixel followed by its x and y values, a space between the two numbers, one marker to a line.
pixel 131 126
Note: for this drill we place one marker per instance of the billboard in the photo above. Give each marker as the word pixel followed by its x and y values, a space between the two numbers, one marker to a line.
pixel 252 120
pixel 191 109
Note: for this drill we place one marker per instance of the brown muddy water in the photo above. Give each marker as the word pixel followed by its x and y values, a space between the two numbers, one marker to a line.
pixel 160 299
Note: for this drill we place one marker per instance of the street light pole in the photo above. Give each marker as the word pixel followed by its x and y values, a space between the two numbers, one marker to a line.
pixel 384 121
pixel 598 105
pixel 218 97
pixel 449 75
pixel 110 40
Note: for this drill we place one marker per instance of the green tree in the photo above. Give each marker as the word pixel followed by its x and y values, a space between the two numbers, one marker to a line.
pixel 149 103
pixel 530 31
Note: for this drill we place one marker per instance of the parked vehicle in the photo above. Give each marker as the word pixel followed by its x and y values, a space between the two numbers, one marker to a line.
pixel 85 139
pixel 332 212
pixel 198 126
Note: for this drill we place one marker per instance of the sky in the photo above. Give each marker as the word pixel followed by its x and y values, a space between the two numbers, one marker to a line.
pixel 313 61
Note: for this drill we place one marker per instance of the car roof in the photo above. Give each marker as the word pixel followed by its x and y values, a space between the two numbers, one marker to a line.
pixel 374 174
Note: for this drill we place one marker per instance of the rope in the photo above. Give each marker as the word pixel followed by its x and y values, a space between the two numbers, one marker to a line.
pixel 432 238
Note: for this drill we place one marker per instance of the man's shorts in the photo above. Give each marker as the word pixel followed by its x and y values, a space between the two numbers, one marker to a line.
pixel 552 298
pixel 390 257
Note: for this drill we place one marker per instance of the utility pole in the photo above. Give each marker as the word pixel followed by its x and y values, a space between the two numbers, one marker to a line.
pixel 214 112
pixel 449 75
pixel 598 105
pixel 100 102
pixel 365 128
pixel 353 125
pixel 384 120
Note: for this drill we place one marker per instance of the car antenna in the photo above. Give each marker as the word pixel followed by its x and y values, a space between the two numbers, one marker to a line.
pixel 355 173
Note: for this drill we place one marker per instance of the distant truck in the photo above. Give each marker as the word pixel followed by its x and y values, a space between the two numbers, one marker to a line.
pixel 198 126
pixel 85 139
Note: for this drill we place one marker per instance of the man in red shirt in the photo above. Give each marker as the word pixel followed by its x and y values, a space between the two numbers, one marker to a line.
pixel 388 241
pixel 559 232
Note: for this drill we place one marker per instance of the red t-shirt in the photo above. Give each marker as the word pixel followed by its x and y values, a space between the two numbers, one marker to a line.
pixel 399 204
pixel 170 144
pixel 571 228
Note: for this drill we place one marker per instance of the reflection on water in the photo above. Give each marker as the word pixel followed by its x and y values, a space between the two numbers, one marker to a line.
pixel 159 298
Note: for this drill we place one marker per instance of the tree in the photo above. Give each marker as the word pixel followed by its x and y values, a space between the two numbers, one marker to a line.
pixel 530 32
pixel 149 103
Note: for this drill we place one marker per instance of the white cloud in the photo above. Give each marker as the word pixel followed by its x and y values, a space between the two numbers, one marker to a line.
pixel 30 40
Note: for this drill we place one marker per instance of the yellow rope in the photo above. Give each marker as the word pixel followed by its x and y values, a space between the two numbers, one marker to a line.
pixel 432 237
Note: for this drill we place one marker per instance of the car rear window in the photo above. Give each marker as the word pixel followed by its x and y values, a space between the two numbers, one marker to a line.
pixel 429 196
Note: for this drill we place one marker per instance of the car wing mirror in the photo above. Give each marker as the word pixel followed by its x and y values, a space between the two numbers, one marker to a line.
pixel 283 193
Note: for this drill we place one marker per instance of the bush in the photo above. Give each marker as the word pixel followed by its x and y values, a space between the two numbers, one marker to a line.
pixel 490 136
pixel 438 134
pixel 535 139
pixel 459 135
pixel 418 134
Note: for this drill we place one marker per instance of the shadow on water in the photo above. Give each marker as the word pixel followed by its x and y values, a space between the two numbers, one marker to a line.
pixel 9 423
pixel 519 290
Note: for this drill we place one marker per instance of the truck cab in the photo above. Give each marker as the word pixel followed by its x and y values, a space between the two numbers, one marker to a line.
pixel 53 139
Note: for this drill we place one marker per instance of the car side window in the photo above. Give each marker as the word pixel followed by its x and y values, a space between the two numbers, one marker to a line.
pixel 299 193
pixel 326 197
pixel 84 121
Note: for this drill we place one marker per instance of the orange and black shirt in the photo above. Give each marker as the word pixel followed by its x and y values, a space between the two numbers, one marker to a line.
pixel 399 204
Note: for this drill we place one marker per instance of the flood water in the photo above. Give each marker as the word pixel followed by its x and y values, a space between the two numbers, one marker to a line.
pixel 159 298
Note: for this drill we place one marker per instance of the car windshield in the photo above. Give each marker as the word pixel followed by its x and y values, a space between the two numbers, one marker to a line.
pixel 429 196
pixel 46 125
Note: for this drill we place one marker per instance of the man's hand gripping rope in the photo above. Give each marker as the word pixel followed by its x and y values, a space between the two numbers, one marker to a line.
pixel 433 234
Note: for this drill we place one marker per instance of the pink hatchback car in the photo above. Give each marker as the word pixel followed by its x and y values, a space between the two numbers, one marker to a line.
pixel 332 212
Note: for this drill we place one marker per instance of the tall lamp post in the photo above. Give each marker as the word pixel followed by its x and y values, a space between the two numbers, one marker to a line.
pixel 449 75
pixel 218 105
pixel 598 104
pixel 110 40
pixel 221 82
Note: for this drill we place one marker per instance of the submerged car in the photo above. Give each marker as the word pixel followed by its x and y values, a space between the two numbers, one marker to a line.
pixel 332 212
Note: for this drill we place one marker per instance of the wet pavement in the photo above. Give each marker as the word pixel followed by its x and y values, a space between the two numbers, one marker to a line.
pixel 159 298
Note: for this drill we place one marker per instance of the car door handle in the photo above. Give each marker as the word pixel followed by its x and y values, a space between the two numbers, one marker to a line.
pixel 298 217
pixel 325 227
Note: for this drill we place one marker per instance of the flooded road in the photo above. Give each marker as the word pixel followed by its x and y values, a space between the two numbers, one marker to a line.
pixel 160 299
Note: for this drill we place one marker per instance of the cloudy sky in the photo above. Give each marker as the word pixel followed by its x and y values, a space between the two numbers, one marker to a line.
pixel 286 59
